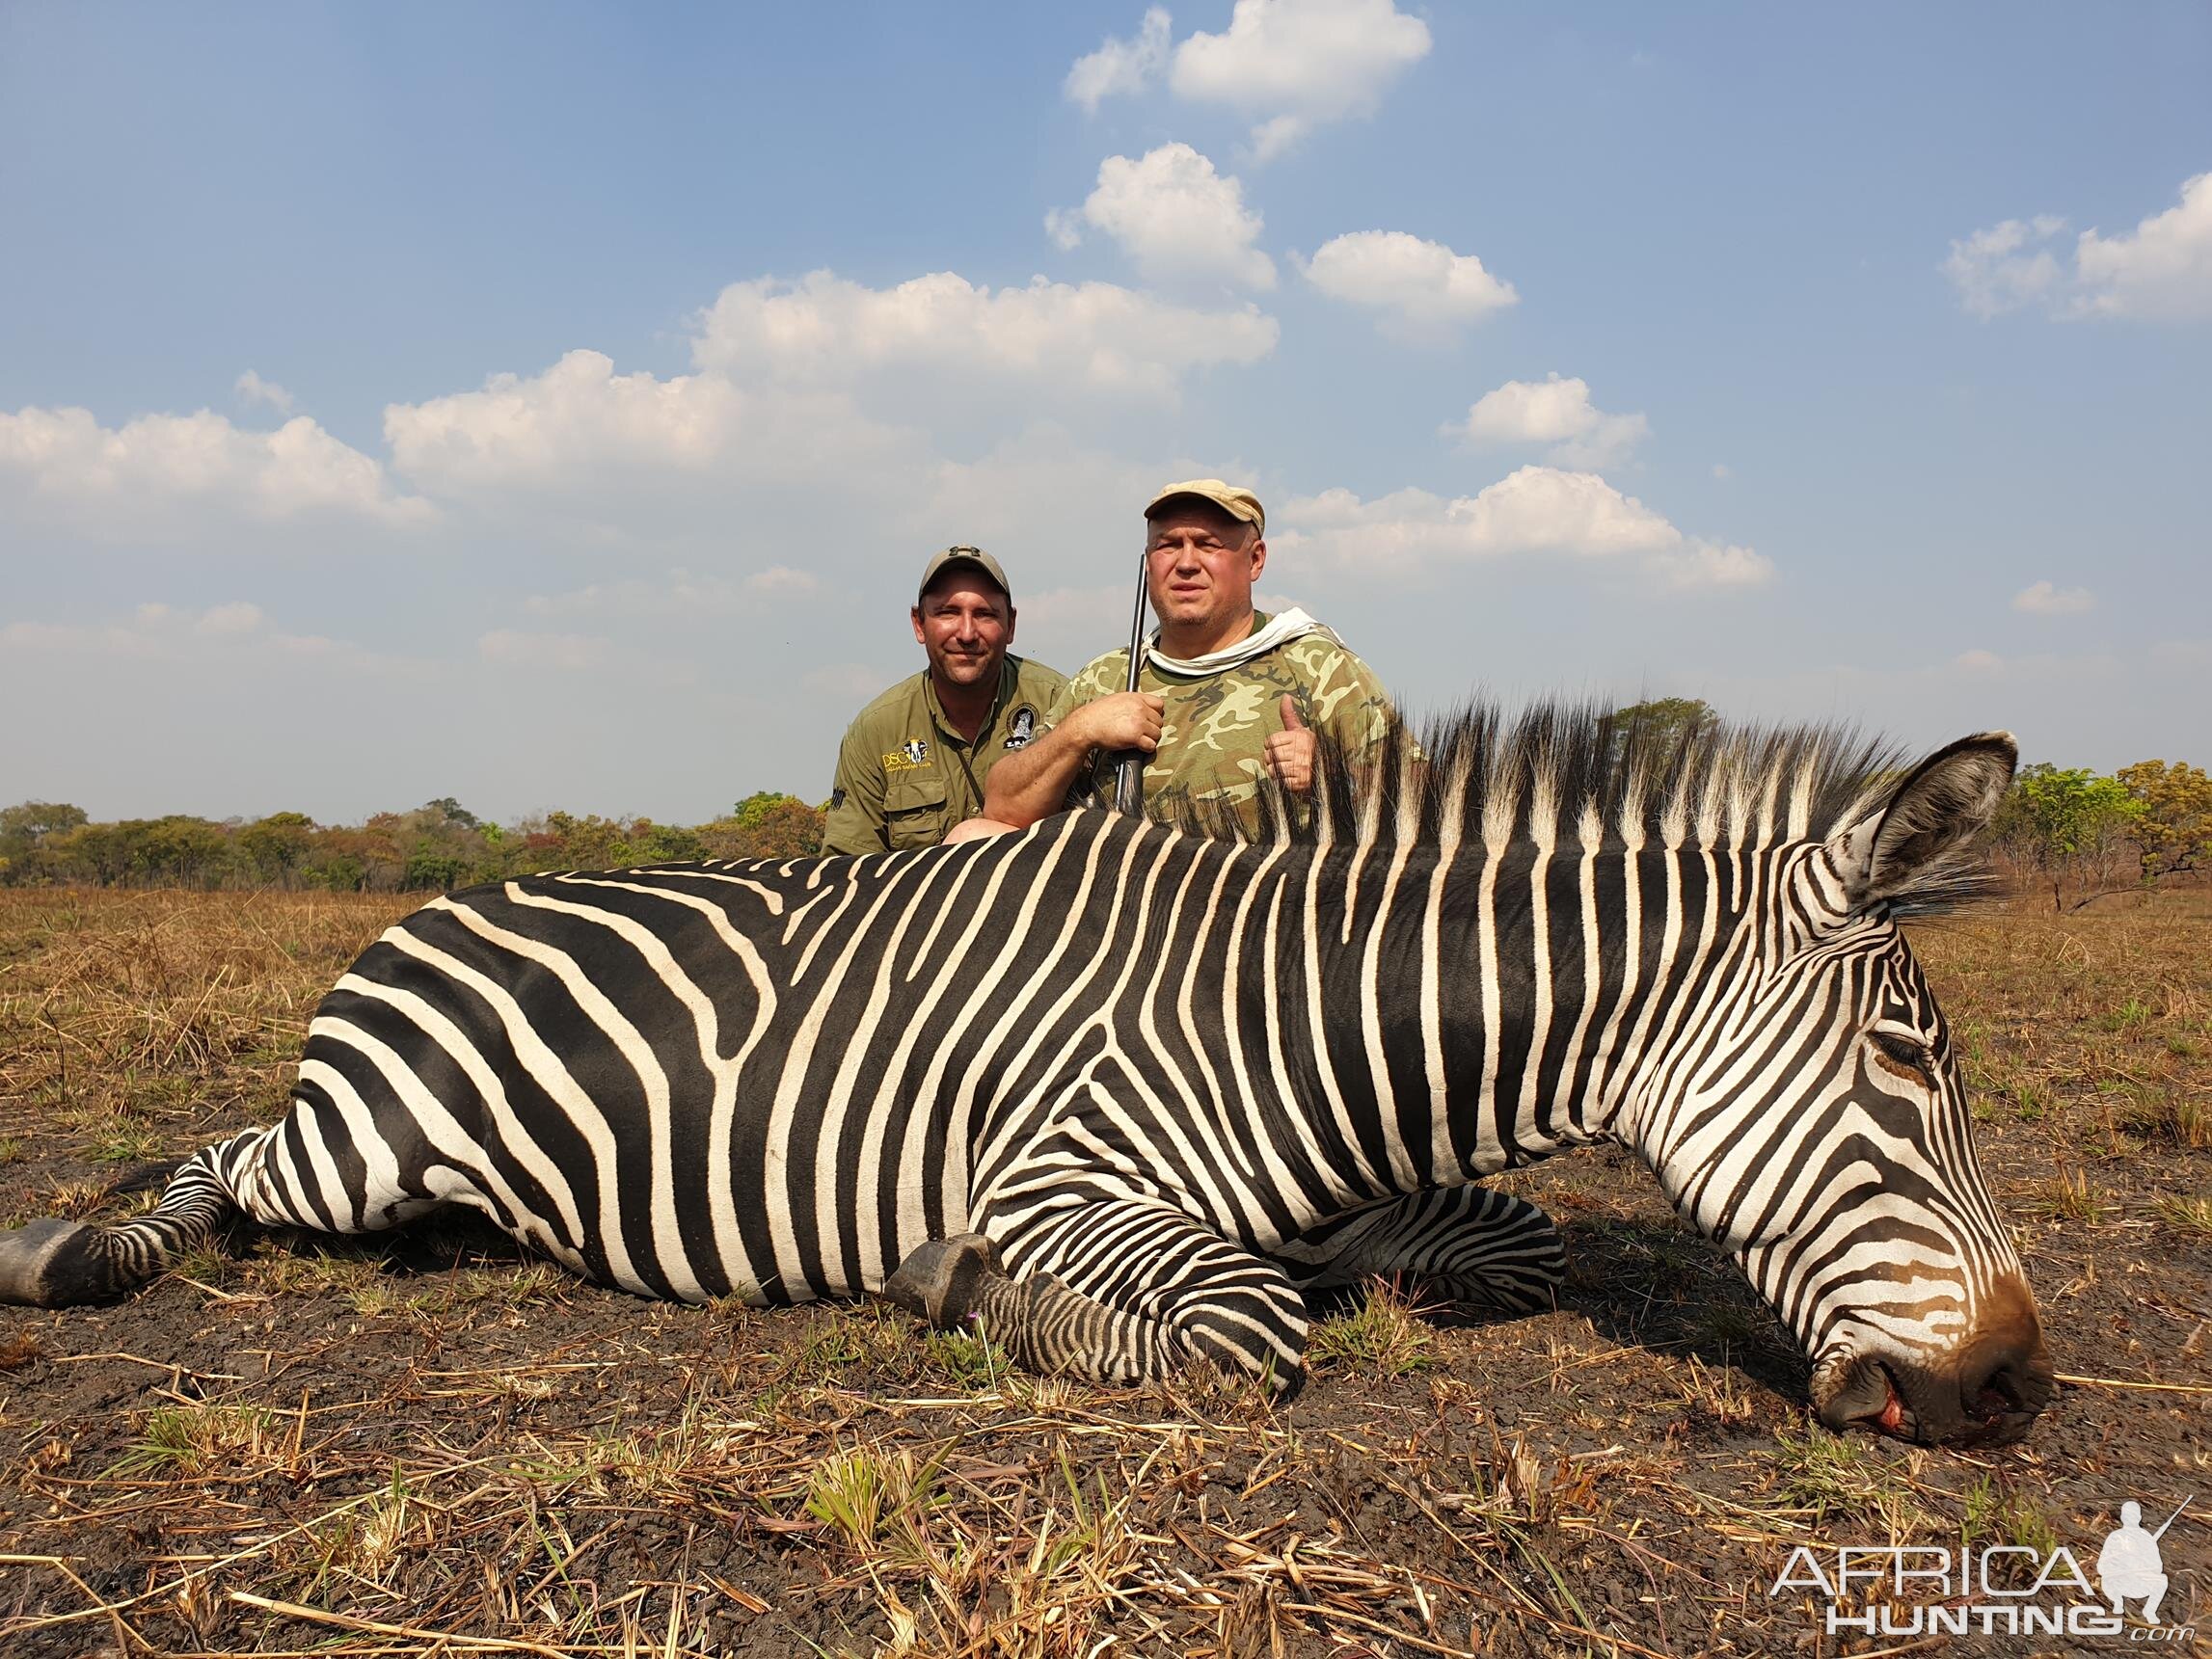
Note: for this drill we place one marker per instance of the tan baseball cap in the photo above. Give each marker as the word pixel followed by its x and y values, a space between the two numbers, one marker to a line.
pixel 1234 499
pixel 976 556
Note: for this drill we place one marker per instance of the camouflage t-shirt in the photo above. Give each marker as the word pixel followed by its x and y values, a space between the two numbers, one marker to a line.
pixel 1215 727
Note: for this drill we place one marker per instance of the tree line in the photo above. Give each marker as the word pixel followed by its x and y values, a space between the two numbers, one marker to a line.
pixel 438 846
pixel 2081 834
pixel 2070 831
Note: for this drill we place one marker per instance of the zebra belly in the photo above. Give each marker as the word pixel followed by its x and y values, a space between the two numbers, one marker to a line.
pixel 623 1079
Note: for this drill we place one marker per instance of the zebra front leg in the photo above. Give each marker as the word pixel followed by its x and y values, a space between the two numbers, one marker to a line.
pixel 1477 1246
pixel 54 1263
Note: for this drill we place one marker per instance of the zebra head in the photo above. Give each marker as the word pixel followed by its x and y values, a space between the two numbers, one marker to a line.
pixel 1814 1123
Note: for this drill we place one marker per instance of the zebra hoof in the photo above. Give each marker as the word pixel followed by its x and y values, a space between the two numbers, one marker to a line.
pixel 940 1281
pixel 37 1259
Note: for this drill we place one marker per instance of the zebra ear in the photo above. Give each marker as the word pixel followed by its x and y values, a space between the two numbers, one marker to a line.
pixel 1913 841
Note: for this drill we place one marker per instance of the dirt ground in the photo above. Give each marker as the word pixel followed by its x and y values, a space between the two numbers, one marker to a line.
pixel 429 1444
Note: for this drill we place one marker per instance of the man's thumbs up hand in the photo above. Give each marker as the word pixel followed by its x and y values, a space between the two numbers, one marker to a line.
pixel 1289 753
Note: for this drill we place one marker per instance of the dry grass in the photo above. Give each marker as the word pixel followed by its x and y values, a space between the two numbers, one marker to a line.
pixel 428 1445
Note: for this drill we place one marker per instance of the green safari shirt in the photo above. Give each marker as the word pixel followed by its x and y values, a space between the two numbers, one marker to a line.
pixel 904 774
pixel 1215 727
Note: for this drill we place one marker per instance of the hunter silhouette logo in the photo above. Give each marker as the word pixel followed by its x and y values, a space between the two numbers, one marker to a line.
pixel 2130 1566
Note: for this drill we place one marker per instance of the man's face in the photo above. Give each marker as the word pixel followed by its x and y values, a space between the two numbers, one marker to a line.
pixel 965 624
pixel 1200 564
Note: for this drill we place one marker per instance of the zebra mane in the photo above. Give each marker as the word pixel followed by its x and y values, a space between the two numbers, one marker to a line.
pixel 1577 776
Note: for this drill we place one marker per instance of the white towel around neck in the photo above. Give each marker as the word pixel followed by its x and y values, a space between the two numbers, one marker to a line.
pixel 1280 629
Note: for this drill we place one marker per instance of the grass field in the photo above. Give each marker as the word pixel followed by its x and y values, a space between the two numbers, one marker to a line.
pixel 429 1444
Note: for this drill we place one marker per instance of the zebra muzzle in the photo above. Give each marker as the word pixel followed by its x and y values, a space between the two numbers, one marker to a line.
pixel 1990 1402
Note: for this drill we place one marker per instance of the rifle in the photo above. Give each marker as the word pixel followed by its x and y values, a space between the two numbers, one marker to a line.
pixel 1129 764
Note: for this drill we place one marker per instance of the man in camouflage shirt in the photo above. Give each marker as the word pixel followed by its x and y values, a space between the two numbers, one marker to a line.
pixel 1226 696
pixel 914 762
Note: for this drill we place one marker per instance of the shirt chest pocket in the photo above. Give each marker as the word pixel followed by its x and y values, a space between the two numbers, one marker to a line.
pixel 914 810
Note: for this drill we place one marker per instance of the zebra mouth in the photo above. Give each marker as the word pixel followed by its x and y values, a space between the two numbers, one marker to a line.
pixel 1861 1394
pixel 1870 1397
pixel 1868 1394
pixel 1895 1418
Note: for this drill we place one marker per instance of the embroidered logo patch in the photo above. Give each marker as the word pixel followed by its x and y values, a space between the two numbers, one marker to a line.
pixel 1024 728
pixel 907 757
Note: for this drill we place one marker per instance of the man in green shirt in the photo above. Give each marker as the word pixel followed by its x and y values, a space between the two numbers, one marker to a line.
pixel 1228 696
pixel 914 762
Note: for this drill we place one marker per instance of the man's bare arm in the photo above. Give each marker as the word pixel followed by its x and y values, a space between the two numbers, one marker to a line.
pixel 1033 783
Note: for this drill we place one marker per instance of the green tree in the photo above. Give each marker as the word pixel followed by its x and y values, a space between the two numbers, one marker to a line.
pixel 764 826
pixel 2172 824
pixel 1659 725
pixel 2069 825
pixel 275 846
pixel 447 810
pixel 25 828
pixel 757 808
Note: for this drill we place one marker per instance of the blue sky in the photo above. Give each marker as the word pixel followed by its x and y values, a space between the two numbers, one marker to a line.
pixel 614 370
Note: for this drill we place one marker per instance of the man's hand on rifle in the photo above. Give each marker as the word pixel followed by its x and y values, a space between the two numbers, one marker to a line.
pixel 1122 721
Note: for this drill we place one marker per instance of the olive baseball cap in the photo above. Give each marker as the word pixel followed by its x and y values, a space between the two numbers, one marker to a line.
pixel 1234 499
pixel 939 563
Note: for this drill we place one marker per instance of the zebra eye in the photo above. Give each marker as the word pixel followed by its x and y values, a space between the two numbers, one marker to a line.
pixel 1908 1057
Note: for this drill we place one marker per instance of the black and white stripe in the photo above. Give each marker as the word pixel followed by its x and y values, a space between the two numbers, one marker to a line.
pixel 1184 1076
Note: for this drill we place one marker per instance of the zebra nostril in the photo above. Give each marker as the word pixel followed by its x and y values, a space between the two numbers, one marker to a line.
pixel 2008 1381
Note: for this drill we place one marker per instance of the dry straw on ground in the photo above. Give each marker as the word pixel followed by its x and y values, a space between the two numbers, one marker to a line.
pixel 429 1445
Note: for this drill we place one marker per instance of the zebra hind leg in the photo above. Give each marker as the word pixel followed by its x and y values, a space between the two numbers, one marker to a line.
pixel 1042 1325
pixel 1470 1244
pixel 53 1263
pixel 1113 1290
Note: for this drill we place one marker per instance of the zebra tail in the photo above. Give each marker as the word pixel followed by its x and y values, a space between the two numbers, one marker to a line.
pixel 53 1263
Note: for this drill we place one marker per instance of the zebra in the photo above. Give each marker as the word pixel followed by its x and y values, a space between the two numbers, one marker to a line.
pixel 1129 1092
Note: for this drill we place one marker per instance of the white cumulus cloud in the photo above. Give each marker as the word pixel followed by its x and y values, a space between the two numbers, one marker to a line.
pixel 253 388
pixel 2160 271
pixel 1534 510
pixel 2007 266
pixel 822 399
pixel 1293 64
pixel 1414 287
pixel 124 480
pixel 2047 599
pixel 1176 217
pixel 2163 269
pixel 578 415
pixel 1051 338
pixel 1120 68
pixel 1550 412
